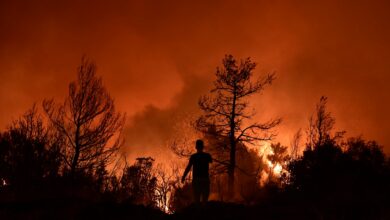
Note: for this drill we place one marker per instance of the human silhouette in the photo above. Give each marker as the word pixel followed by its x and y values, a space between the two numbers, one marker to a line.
pixel 200 173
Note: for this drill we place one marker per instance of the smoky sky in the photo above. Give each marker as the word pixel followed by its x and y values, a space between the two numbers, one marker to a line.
pixel 157 57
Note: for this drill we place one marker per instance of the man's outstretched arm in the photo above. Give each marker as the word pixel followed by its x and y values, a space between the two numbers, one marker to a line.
pixel 188 168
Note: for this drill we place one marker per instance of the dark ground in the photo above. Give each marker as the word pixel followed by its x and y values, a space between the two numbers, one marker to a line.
pixel 66 209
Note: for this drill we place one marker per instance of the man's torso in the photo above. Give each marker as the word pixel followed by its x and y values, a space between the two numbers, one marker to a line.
pixel 200 162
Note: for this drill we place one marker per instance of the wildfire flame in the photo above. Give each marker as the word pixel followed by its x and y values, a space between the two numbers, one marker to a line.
pixel 264 150
pixel 3 182
pixel 164 206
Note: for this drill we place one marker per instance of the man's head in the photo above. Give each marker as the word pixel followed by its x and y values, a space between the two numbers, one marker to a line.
pixel 199 145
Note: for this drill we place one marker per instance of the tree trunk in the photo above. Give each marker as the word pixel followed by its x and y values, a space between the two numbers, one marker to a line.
pixel 75 161
pixel 231 168
pixel 232 140
pixel 76 153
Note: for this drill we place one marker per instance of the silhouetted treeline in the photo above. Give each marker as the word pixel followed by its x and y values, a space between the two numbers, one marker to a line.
pixel 336 177
pixel 347 180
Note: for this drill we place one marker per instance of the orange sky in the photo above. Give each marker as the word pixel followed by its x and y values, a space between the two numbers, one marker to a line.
pixel 157 57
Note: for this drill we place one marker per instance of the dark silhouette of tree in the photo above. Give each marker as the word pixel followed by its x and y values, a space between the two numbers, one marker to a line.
pixel 368 152
pixel 181 197
pixel 101 178
pixel 321 148
pixel 321 125
pixel 295 144
pixel 138 182
pixel 88 121
pixel 226 108
pixel 355 179
pixel 29 152
pixel 340 178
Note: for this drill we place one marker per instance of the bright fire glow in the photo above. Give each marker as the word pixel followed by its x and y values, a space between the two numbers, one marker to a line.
pixel 264 150
pixel 278 169
pixel 164 206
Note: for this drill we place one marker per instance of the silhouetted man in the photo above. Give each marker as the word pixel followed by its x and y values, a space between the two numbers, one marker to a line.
pixel 200 173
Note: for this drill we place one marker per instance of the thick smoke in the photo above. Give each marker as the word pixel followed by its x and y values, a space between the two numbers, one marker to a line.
pixel 157 57
pixel 151 130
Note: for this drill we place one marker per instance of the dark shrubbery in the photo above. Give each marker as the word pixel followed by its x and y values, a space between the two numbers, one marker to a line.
pixel 350 179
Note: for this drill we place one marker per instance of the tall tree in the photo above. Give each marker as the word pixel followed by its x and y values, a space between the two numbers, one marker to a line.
pixel 226 109
pixel 88 120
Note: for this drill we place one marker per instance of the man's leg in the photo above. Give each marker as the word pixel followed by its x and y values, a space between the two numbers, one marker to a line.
pixel 196 190
pixel 205 190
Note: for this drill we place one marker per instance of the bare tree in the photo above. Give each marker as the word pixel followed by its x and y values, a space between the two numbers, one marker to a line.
pixel 295 144
pixel 226 109
pixel 88 120
pixel 320 126
pixel 167 181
